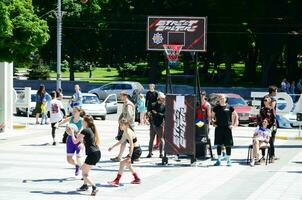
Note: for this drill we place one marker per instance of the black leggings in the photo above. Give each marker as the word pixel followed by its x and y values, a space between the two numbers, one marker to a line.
pixel 227 148
pixel 53 130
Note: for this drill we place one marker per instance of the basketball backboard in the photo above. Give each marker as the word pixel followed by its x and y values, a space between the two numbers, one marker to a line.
pixel 187 31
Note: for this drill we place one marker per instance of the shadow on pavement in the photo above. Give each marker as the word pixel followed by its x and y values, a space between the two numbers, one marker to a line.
pixel 35 145
pixel 58 193
pixel 50 180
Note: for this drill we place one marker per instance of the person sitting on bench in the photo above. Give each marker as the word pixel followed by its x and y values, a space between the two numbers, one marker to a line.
pixel 261 137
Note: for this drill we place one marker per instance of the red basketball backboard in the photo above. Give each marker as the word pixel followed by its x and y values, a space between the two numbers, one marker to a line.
pixel 187 31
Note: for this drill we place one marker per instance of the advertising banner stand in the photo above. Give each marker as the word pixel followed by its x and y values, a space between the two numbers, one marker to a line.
pixel 180 126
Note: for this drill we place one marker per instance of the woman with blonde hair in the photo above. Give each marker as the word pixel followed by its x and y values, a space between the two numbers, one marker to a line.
pixel 135 152
pixel 89 135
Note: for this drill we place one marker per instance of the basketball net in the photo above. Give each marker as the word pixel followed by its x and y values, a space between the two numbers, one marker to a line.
pixel 172 52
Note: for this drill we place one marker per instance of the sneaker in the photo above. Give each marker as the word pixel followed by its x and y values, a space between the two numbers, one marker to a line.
pixel 252 163
pixel 229 163
pixel 84 187
pixel 224 156
pixel 54 143
pixel 217 163
pixel 161 156
pixel 149 155
pixel 257 162
pixel 136 181
pixel 114 183
pixel 94 191
pixel 262 159
pixel 116 159
pixel 77 170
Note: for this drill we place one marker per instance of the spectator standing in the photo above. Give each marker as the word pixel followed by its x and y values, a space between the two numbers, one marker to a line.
pixel 141 108
pixel 77 97
pixel 157 124
pixel 224 120
pixel 39 100
pixel 292 90
pixel 203 117
pixel 299 86
pixel 284 85
pixel 151 98
pixel 272 90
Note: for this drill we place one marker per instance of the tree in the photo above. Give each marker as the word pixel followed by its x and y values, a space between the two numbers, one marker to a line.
pixel 80 32
pixel 21 31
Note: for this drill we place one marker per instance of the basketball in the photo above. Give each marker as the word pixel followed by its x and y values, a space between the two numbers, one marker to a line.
pixel 71 127
pixel 84 1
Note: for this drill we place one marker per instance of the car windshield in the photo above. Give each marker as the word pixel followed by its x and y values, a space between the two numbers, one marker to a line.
pixel 90 100
pixel 236 101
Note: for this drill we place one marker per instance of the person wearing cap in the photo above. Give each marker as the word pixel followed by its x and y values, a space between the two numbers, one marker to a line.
pixel 203 117
pixel 128 113
pixel 157 124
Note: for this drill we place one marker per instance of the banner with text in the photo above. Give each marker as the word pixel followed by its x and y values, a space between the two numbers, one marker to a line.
pixel 180 124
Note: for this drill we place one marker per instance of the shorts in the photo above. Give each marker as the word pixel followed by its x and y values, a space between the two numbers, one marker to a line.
pixel 72 148
pixel 137 152
pixel 93 158
pixel 223 136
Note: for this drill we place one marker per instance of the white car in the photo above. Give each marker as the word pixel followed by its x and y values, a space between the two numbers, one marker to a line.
pixel 93 106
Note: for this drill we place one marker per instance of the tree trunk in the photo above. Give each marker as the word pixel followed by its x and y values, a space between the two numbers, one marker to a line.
pixel 71 70
pixel 154 68
pixel 292 61
pixel 228 70
pixel 187 58
pixel 266 76
pixel 250 64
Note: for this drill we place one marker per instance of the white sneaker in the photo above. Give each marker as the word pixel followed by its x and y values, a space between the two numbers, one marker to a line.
pixel 252 163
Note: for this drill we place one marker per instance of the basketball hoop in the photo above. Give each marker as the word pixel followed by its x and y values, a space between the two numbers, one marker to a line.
pixel 172 52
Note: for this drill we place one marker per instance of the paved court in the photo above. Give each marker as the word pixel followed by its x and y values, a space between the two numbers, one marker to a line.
pixel 30 168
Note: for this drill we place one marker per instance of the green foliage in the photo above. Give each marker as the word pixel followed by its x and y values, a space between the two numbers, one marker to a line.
pixel 21 31
pixel 38 72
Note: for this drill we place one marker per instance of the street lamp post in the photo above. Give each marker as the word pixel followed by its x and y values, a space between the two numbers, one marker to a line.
pixel 59 43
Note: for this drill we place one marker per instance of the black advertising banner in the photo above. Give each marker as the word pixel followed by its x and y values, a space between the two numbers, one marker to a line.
pixel 191 32
pixel 180 124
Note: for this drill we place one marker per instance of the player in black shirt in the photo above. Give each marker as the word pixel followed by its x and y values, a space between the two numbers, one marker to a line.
pixel 224 119
pixel 91 139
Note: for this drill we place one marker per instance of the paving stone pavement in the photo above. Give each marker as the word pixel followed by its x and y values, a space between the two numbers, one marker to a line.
pixel 31 168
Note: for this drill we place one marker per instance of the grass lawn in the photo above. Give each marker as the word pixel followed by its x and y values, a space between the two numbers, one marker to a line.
pixel 98 75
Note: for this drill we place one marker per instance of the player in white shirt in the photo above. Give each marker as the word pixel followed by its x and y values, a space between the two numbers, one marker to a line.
pixel 55 114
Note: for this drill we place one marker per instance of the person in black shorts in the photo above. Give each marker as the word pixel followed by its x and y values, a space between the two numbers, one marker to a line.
pixel 135 152
pixel 91 139
pixel 224 119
